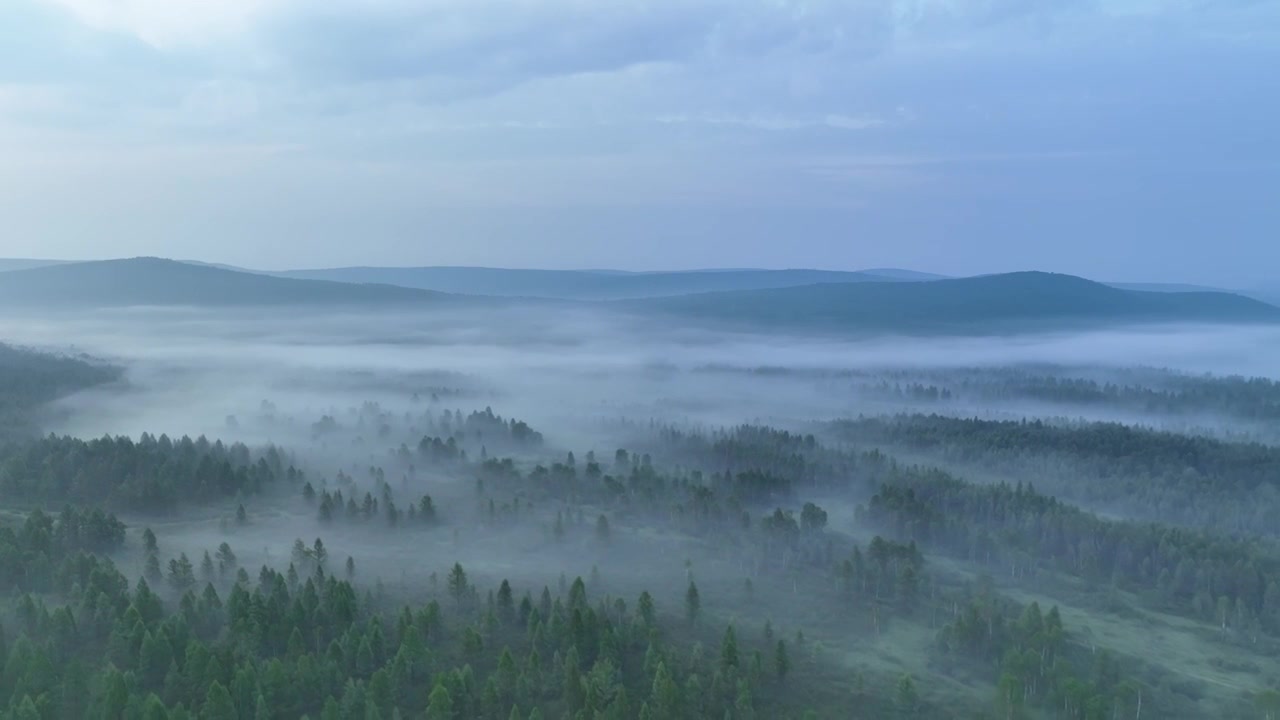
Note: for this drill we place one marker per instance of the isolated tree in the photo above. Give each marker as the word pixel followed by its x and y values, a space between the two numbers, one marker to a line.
pixel 426 510
pixel 812 518
pixel 181 573
pixel 457 584
pixel 645 609
pixel 149 544
pixel 300 552
pixel 506 603
pixel 781 661
pixel 152 570
pixel 319 552
pixel 692 603
pixel 602 529
pixel 729 650
pixel 226 559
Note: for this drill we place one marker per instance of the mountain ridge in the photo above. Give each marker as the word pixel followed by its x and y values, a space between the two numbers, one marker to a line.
pixel 1022 300
pixel 159 281
pixel 578 284
pixel 1029 300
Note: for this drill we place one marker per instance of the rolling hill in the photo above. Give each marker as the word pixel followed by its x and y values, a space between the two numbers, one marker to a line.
pixel 156 281
pixel 581 284
pixel 991 303
pixel 7 264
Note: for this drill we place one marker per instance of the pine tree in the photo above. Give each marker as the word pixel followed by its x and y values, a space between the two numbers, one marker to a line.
pixel 457 584
pixel 154 709
pixel 645 608
pixel 666 694
pixel 692 603
pixel 781 662
pixel 152 571
pixel 440 704
pixel 181 573
pixel 218 704
pixel 729 650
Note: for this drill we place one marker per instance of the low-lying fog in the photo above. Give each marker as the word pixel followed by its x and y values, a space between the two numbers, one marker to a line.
pixel 566 372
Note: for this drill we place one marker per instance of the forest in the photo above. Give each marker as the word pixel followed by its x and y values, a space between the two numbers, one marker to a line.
pixel 398 548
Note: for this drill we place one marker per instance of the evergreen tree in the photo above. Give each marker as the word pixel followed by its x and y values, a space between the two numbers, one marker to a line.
pixel 440 704
pixel 218 704
pixel 692 603
pixel 729 650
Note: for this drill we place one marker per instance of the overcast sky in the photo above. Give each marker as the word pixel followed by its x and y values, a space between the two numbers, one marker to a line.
pixel 1118 139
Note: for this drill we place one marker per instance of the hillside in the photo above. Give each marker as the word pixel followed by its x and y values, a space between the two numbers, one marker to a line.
pixel 580 284
pixel 1014 301
pixel 155 281
pixel 7 264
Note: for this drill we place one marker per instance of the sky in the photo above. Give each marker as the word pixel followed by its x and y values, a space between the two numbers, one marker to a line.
pixel 1117 139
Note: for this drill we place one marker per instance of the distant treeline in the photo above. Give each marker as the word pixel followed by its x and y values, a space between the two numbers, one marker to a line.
pixel 152 474
pixel 30 379
pixel 1233 487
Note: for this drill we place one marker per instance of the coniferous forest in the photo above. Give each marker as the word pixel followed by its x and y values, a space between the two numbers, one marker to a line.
pixel 710 541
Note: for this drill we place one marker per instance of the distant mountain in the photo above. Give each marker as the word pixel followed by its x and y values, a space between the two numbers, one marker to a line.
pixel 901 274
pixel 7 264
pixel 1166 287
pixel 222 266
pixel 991 303
pixel 579 284
pixel 155 281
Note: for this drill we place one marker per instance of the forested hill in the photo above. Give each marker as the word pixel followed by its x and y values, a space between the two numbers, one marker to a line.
pixel 857 303
pixel 991 303
pixel 156 281
pixel 30 379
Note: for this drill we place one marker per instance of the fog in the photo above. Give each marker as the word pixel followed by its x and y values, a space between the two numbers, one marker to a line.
pixel 563 371
pixel 377 413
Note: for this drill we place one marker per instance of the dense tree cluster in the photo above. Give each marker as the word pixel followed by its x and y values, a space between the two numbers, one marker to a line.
pixel 30 379
pixel 286 648
pixel 1188 480
pixel 151 474
pixel 1230 582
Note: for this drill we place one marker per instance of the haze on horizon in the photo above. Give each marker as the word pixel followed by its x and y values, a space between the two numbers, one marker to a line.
pixel 1120 140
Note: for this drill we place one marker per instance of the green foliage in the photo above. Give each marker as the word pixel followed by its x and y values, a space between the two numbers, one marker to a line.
pixel 150 475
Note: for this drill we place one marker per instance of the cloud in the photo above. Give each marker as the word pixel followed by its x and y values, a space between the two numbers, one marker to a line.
pixel 773 121
pixel 925 124
pixel 170 23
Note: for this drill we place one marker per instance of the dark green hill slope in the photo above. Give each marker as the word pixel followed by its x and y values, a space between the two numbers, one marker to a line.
pixel 155 281
pixel 1014 301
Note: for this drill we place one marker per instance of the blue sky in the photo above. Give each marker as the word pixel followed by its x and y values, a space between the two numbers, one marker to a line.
pixel 1118 139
